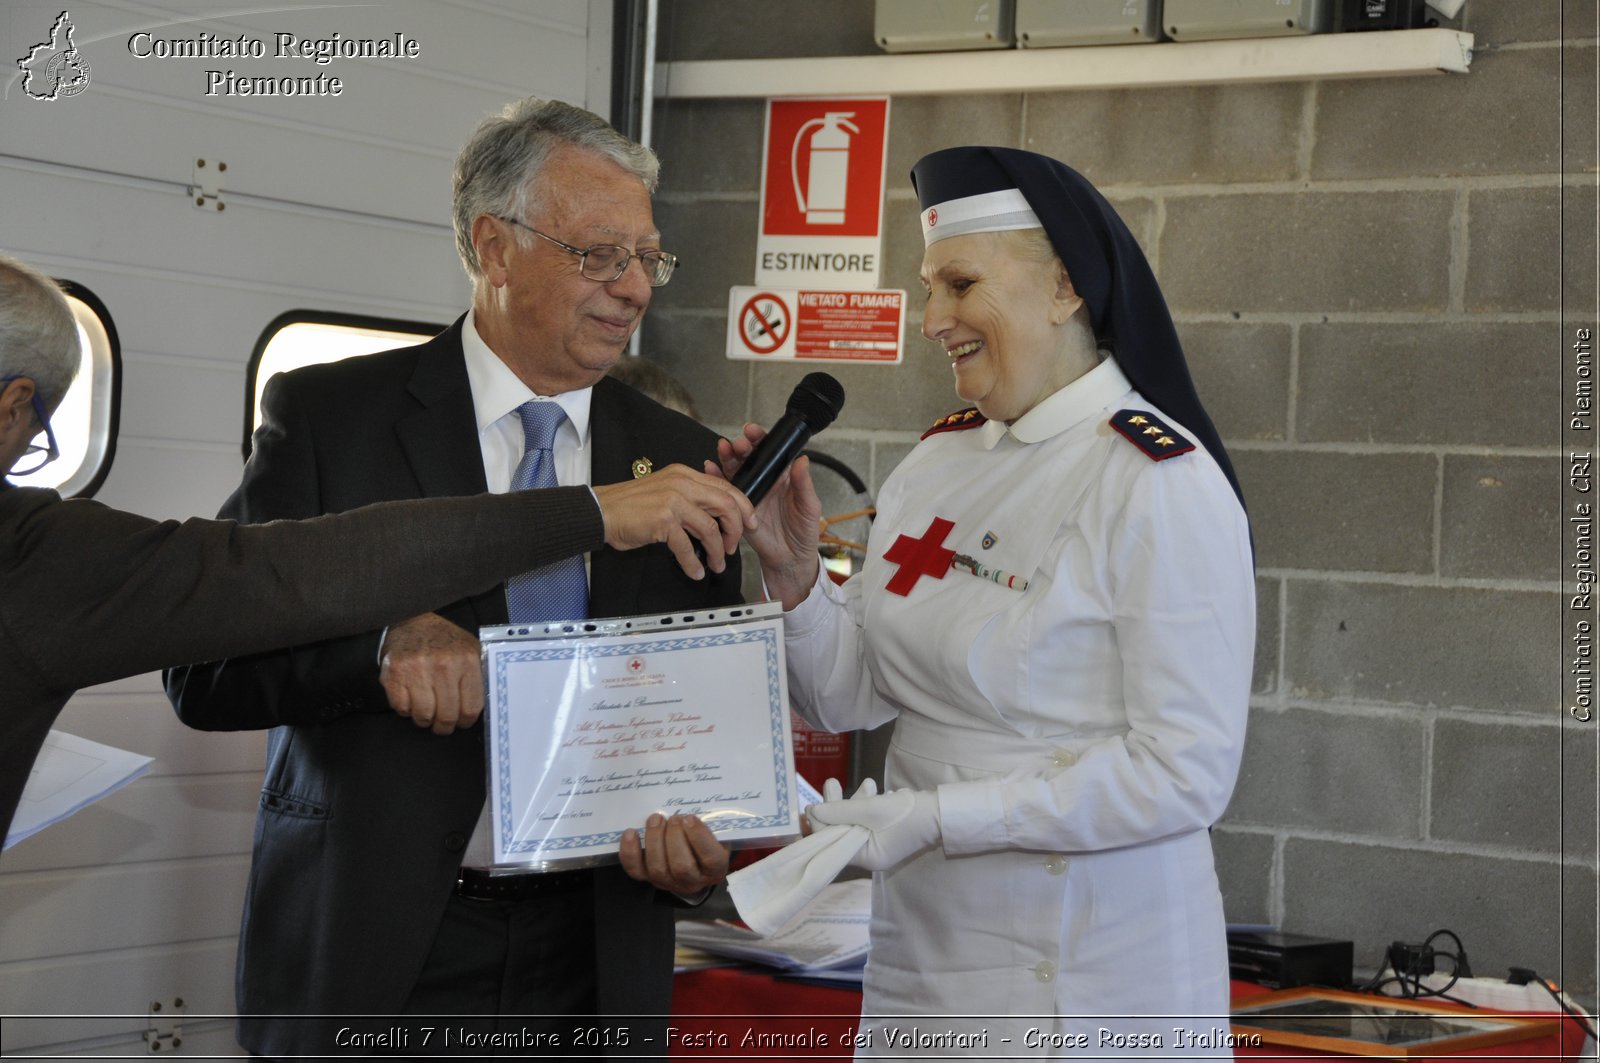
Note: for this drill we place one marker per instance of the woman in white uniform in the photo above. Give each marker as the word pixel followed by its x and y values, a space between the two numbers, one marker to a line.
pixel 1057 610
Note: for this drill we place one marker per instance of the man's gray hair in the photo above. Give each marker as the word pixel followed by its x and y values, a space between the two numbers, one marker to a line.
pixel 498 170
pixel 38 334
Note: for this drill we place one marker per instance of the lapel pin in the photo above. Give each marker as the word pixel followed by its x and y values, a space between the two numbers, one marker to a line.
pixel 642 467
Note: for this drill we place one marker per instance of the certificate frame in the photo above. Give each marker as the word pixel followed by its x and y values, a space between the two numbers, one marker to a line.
pixel 1344 1023
pixel 577 754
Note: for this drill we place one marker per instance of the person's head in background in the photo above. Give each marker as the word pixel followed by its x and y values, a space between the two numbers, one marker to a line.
pixel 656 382
pixel 38 360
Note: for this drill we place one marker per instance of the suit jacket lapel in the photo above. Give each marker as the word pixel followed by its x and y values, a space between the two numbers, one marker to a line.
pixel 614 576
pixel 440 440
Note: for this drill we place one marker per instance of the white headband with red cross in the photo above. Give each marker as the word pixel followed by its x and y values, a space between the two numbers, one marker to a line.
pixel 987 212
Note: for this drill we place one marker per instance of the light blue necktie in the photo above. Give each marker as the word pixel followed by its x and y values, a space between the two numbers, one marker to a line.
pixel 559 590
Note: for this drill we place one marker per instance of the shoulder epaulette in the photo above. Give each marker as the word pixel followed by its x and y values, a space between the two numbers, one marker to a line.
pixel 955 422
pixel 1145 431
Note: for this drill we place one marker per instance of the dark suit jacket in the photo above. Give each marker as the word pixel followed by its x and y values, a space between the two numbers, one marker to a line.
pixel 363 815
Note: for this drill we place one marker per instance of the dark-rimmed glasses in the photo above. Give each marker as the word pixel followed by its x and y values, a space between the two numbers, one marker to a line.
pixel 606 262
pixel 49 452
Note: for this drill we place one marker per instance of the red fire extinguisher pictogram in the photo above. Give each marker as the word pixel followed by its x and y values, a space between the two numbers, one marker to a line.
pixel 828 171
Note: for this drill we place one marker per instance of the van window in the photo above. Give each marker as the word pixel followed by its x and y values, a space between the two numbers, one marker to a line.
pixel 308 337
pixel 85 424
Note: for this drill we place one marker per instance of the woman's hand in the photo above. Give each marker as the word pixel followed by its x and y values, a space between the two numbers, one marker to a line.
pixel 790 521
pixel 902 823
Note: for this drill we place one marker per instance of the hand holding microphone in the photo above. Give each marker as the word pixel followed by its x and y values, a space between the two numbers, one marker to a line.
pixel 813 405
pixel 786 540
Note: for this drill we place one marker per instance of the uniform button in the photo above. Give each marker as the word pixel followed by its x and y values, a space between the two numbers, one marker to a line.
pixel 455 841
pixel 1064 758
pixel 1056 865
pixel 1044 971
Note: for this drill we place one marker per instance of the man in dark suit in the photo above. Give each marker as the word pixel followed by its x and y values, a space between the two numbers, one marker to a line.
pixel 366 895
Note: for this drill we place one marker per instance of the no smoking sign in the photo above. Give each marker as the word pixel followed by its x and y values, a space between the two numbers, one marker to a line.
pixel 764 323
pixel 792 324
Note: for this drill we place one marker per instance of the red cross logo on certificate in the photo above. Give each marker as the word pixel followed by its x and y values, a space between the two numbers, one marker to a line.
pixel 920 557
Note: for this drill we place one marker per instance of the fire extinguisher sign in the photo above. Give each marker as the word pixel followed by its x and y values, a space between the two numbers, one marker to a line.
pixel 822 193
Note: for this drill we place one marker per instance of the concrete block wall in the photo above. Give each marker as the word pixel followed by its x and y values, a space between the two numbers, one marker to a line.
pixel 1369 277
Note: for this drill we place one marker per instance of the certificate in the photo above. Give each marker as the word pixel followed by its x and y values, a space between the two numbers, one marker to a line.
pixel 594 725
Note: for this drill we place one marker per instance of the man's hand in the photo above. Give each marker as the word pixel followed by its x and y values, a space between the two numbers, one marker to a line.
pixel 679 855
pixel 677 506
pixel 785 539
pixel 432 671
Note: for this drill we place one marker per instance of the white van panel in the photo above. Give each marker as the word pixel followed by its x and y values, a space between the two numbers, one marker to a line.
pixel 331 203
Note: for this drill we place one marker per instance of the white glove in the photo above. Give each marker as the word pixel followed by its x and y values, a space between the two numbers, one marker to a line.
pixel 902 823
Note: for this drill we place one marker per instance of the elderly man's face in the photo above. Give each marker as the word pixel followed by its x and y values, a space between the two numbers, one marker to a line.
pixel 556 328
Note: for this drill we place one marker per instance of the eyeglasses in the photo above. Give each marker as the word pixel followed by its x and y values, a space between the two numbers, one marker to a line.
pixel 606 262
pixel 49 452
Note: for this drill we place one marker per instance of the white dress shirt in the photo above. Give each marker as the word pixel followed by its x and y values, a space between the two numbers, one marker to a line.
pixel 496 394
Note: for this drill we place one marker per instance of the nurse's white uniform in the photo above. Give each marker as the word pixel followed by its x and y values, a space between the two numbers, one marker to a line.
pixel 1081 735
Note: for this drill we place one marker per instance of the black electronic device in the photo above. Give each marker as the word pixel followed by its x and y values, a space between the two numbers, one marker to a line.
pixel 1283 961
pixel 813 405
pixel 1382 14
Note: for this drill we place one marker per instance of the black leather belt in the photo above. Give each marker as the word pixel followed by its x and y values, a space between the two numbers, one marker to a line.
pixel 478 885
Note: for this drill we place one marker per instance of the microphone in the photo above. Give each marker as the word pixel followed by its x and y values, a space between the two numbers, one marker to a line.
pixel 813 405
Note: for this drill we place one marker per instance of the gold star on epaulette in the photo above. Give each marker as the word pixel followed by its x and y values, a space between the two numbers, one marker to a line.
pixel 954 422
pixel 1155 439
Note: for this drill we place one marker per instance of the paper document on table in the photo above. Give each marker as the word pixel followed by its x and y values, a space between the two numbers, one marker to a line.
pixel 71 773
pixel 830 932
pixel 854 975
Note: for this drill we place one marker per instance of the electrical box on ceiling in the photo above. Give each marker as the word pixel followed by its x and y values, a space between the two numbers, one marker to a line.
pixel 1051 24
pixel 1204 20
pixel 942 25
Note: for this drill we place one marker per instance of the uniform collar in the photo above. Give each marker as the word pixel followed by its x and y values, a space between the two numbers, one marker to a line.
pixel 1072 405
pixel 497 391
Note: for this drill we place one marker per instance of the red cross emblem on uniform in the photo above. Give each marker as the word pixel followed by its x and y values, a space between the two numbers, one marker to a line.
pixel 920 557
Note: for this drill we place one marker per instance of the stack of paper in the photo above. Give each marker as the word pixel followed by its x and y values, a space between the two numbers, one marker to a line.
pixel 829 934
